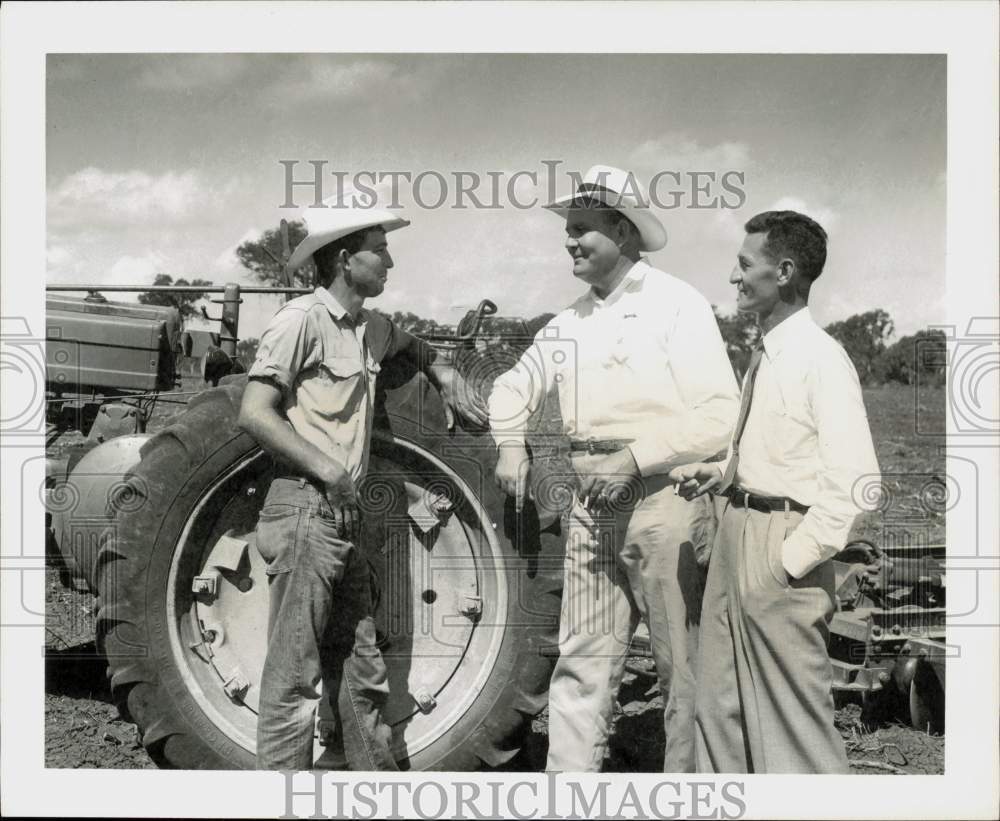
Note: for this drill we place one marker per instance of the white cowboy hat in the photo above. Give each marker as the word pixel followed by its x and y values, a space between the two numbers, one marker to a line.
pixel 621 191
pixel 345 213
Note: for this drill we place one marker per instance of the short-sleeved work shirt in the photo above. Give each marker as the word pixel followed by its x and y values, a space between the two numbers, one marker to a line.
pixel 326 364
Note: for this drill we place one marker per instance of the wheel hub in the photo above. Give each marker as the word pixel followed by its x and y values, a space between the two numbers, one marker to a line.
pixel 439 600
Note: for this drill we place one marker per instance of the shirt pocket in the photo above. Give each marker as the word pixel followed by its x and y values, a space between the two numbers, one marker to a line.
pixel 629 344
pixel 343 367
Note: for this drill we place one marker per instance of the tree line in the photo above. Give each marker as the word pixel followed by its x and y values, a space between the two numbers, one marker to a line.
pixel 866 337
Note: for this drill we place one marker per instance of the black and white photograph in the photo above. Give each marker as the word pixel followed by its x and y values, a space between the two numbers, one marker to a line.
pixel 525 423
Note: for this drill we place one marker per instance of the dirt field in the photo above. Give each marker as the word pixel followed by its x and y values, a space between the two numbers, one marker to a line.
pixel 82 727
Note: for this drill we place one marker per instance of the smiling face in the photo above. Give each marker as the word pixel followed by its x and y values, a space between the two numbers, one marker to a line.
pixel 368 268
pixel 593 239
pixel 757 277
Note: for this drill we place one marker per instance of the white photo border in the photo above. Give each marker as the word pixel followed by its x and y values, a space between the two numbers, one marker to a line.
pixel 964 31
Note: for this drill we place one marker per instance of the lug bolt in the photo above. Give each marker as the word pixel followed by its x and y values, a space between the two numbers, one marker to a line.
pixel 237 686
pixel 425 701
pixel 472 606
pixel 203 585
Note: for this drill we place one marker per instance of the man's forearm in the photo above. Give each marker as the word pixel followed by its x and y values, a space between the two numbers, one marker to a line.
pixel 276 436
pixel 426 359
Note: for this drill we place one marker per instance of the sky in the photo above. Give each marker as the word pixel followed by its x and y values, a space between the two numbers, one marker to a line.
pixel 165 163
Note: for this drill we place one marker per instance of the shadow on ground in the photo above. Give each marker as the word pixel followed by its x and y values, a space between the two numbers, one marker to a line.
pixel 77 672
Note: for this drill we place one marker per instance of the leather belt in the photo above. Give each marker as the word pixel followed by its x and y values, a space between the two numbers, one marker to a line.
pixel 595 446
pixel 282 473
pixel 765 504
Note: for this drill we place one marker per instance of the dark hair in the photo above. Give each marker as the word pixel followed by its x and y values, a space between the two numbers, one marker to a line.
pixel 325 257
pixel 794 235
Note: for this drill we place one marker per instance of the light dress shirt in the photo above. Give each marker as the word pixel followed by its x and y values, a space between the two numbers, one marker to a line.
pixel 807 438
pixel 326 364
pixel 645 363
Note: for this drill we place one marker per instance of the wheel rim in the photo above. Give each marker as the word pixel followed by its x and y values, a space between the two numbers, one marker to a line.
pixel 431 576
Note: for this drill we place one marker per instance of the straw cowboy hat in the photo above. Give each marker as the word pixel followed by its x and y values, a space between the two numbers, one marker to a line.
pixel 621 191
pixel 346 212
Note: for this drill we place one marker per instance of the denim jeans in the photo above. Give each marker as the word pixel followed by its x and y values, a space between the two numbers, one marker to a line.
pixel 320 628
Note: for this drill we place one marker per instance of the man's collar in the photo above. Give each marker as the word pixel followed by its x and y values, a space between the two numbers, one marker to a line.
pixel 783 334
pixel 635 274
pixel 338 311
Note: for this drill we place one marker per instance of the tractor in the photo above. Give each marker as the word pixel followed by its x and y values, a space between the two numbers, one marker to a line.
pixel 160 527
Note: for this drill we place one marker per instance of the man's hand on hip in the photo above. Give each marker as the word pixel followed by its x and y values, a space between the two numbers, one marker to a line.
pixel 697 478
pixel 512 472
pixel 610 480
pixel 342 496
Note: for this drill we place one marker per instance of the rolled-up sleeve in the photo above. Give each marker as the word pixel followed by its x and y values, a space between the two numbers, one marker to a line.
pixel 284 349
pixel 849 480
pixel 700 367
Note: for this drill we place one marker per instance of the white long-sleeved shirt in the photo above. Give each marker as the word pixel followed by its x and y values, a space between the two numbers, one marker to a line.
pixel 645 363
pixel 807 438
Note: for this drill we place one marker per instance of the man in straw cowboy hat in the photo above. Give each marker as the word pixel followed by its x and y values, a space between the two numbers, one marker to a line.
pixel 309 403
pixel 651 385
pixel 791 480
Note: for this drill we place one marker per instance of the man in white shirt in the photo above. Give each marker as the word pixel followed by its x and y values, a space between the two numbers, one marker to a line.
pixel 799 456
pixel 644 384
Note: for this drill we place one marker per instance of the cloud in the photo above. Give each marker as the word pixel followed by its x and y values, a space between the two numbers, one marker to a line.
pixel 58 256
pixel 93 196
pixel 184 72
pixel 677 152
pixel 227 262
pixel 825 216
pixel 325 78
pixel 138 270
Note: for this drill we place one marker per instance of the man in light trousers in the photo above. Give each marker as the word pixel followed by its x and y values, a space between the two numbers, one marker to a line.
pixel 801 466
pixel 644 384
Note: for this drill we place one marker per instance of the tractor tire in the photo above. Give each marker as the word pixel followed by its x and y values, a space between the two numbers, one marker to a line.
pixel 183 602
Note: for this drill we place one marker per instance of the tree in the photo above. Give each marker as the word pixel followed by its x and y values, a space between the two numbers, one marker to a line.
pixel 918 357
pixel 246 350
pixel 183 302
pixel 739 333
pixel 864 338
pixel 262 257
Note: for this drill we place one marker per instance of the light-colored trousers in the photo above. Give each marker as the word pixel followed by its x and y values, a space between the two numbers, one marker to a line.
pixel 764 677
pixel 643 567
